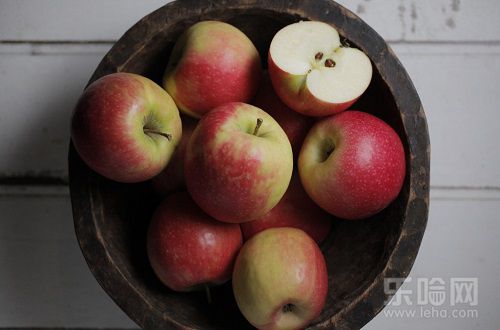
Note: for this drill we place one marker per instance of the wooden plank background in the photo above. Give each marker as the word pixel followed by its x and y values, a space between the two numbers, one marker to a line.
pixel 49 48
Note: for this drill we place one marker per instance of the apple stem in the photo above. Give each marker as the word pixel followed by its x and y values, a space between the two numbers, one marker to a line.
pixel 207 293
pixel 259 123
pixel 329 151
pixel 152 131
pixel 344 43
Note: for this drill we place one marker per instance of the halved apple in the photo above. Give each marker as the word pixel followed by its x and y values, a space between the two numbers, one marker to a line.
pixel 313 73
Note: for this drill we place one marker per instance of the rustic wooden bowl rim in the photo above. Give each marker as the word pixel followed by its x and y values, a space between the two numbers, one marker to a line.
pixel 369 302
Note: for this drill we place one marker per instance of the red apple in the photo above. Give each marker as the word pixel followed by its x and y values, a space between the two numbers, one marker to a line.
pixel 172 177
pixel 313 73
pixel 125 127
pixel 352 164
pixel 296 210
pixel 293 123
pixel 188 249
pixel 238 163
pixel 280 280
pixel 212 63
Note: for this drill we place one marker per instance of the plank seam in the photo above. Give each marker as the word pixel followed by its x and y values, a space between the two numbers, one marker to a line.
pixel 492 42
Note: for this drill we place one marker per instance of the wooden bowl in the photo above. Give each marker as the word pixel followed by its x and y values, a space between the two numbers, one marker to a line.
pixel 111 218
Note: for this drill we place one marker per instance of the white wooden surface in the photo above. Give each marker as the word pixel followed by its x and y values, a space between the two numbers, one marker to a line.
pixel 44 279
pixel 396 20
pixel 48 49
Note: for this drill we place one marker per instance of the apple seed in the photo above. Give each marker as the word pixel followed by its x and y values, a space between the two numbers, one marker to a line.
pixel 318 56
pixel 329 63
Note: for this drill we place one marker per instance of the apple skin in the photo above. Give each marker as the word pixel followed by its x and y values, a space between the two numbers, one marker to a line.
pixel 212 63
pixel 293 123
pixel 295 210
pixel 292 91
pixel 365 171
pixel 172 179
pixel 277 267
pixel 188 249
pixel 107 127
pixel 232 174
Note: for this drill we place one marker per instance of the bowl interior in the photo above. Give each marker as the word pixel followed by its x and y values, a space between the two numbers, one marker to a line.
pixel 356 251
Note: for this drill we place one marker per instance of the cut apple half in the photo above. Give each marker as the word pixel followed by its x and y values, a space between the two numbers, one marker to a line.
pixel 313 73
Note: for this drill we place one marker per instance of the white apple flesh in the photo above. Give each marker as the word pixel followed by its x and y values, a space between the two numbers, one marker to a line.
pixel 313 73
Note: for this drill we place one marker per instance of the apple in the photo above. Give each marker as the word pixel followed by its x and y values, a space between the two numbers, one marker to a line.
pixel 352 164
pixel 296 210
pixel 212 63
pixel 313 73
pixel 172 177
pixel 280 280
pixel 238 163
pixel 125 127
pixel 293 123
pixel 189 250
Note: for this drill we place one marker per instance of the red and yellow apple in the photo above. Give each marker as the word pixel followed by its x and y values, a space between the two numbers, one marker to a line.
pixel 293 123
pixel 125 127
pixel 189 250
pixel 238 163
pixel 295 210
pixel 280 280
pixel 313 73
pixel 212 63
pixel 352 164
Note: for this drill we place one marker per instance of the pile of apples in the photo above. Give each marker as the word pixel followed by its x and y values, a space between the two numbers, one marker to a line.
pixel 235 205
